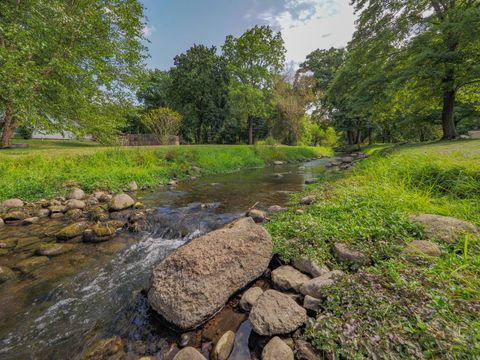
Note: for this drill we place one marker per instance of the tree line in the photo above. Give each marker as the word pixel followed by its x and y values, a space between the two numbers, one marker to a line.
pixel 410 72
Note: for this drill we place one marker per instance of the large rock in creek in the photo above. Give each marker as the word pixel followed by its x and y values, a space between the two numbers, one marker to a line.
pixel 121 202
pixel 197 280
pixel 277 349
pixel 288 278
pixel 189 353
pixel 12 203
pixel 444 228
pixel 275 313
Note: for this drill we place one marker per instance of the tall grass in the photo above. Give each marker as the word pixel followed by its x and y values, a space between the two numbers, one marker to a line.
pixel 43 174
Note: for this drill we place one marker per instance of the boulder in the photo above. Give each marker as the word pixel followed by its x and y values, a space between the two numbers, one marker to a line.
pixel 189 353
pixel 279 162
pixel 74 214
pixel 193 283
pixel 132 186
pixel 445 228
pixel 27 265
pixel 257 215
pixel 275 313
pixel 58 209
pixel 310 267
pixel 74 204
pixel 15 215
pixel 43 213
pixel 6 274
pixel 30 221
pixel 250 297
pixel 12 203
pixel 311 303
pixel 54 249
pixel 348 159
pixel 102 197
pixel 277 349
pixel 76 194
pixel 97 213
pixel 307 200
pixel 121 202
pixel 305 351
pixel 315 287
pixel 288 278
pixel 102 232
pixel 276 209
pixel 423 248
pixel 345 254
pixel 224 346
pixel 71 231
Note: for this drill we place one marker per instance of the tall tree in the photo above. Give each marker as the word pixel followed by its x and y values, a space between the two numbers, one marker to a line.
pixel 154 92
pixel 432 43
pixel 254 59
pixel 199 91
pixel 68 65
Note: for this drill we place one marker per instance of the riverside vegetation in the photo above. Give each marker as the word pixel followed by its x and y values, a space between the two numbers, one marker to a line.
pixel 396 307
pixel 32 174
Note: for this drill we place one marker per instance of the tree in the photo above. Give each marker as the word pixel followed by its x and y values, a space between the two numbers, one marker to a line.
pixel 162 122
pixel 431 43
pixel 68 65
pixel 253 61
pixel 154 92
pixel 199 91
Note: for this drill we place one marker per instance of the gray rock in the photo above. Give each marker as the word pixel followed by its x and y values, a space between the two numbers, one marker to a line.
pixel 12 203
pixel 299 212
pixel 250 297
pixel 75 204
pixel 279 162
pixel 348 159
pixel 423 248
pixel 224 346
pixel 74 214
pixel 445 228
pixel 54 209
pixel 132 186
pixel 54 249
pixel 71 231
pixel 15 215
pixel 257 215
pixel 121 202
pixel 43 213
pixel 278 176
pixel 197 280
pixel 305 351
pixel 311 303
pixel 6 274
pixel 275 313
pixel 315 287
pixel 345 254
pixel 30 264
pixel 76 194
pixel 189 353
pixel 307 200
pixel 102 197
pixel 310 267
pixel 310 181
pixel 288 278
pixel 276 209
pixel 57 215
pixel 277 349
pixel 30 221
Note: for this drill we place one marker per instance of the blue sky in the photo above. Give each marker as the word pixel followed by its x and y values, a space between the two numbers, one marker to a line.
pixel 175 25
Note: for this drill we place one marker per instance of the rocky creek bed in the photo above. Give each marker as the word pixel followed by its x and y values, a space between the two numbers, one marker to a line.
pixel 76 273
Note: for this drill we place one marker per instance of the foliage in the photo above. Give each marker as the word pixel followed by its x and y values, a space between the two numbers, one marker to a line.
pixel 253 61
pixel 27 173
pixel 25 132
pixel 154 92
pixel 394 308
pixel 162 122
pixel 315 135
pixel 199 90
pixel 68 65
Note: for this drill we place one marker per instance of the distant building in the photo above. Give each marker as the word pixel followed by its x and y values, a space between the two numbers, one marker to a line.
pixel 43 135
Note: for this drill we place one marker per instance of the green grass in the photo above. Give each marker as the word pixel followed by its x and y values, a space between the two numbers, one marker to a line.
pixel 46 168
pixel 394 309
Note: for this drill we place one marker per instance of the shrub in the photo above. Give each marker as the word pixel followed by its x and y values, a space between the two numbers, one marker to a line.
pixel 163 123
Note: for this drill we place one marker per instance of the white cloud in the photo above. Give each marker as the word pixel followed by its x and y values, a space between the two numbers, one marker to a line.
pixel 308 25
pixel 148 30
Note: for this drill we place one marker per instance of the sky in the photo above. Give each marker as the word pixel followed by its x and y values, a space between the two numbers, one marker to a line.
pixel 173 26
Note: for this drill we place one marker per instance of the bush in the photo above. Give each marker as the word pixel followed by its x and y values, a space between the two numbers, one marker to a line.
pixel 163 123
pixel 25 132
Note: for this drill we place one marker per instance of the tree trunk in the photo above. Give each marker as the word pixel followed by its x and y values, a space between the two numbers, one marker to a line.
pixel 448 123
pixel 250 130
pixel 9 125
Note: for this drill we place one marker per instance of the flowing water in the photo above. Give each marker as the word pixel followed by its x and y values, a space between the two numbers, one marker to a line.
pixel 95 291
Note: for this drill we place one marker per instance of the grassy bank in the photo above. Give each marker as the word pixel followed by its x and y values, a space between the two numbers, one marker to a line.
pixel 395 308
pixel 46 168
